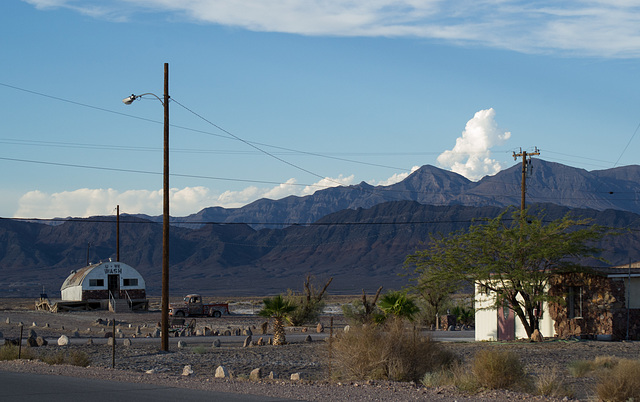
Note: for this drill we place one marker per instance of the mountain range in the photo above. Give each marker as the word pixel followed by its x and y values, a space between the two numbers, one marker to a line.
pixel 360 234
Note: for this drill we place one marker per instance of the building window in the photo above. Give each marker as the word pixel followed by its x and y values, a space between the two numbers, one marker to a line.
pixel 574 302
pixel 130 282
pixel 96 282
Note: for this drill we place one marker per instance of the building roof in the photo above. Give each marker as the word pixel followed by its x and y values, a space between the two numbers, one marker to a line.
pixel 77 276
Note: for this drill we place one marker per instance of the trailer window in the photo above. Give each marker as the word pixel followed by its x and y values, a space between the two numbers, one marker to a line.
pixel 130 282
pixel 96 282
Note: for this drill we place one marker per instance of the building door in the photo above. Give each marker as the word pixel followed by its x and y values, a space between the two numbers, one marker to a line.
pixel 113 282
pixel 506 323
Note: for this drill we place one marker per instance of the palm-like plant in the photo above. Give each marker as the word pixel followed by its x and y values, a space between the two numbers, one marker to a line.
pixel 277 308
pixel 398 304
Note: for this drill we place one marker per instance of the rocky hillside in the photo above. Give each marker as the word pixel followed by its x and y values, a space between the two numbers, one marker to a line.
pixel 360 248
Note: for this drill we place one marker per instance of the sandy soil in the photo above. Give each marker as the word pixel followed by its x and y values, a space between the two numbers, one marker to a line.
pixel 143 362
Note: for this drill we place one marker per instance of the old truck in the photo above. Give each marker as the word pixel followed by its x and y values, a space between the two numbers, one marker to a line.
pixel 192 306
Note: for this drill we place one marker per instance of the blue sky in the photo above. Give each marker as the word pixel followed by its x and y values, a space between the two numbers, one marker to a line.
pixel 274 98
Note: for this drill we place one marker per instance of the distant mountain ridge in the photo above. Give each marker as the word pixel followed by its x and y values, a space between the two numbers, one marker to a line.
pixel 549 183
pixel 360 235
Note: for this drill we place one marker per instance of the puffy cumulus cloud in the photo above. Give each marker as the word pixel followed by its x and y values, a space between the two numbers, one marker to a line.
pixel 471 156
pixel 90 202
pixel 585 27
pixel 396 178
pixel 328 182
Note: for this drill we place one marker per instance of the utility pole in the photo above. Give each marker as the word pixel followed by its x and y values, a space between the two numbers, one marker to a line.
pixel 118 234
pixel 526 161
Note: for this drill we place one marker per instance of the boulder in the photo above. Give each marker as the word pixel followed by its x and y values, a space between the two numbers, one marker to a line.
pixel 32 334
pixel 320 328
pixel 186 371
pixel 41 341
pixel 247 332
pixel 63 340
pixel 256 374
pixel 308 339
pixel 111 340
pixel 537 336
pixel 264 327
pixel 227 333
pixel 127 342
pixel 31 342
pixel 272 375
pixel 296 377
pixel 90 341
pixel 260 342
pixel 222 372
pixel 247 341
pixel 216 343
pixel 182 344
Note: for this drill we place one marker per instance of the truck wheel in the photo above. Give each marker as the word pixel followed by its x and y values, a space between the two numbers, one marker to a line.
pixel 217 314
pixel 179 314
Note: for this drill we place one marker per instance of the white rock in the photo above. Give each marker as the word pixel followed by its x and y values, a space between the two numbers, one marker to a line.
pixel 187 370
pixel 63 340
pixel 222 372
pixel 295 377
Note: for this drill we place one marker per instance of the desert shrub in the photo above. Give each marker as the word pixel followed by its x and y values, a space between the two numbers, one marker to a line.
pixel 10 352
pixel 390 352
pixel 306 311
pixel 70 357
pixel 581 368
pixel 78 358
pixel 356 314
pixel 456 374
pixel 621 382
pixel 200 349
pixel 363 311
pixel 551 383
pixel 308 304
pixel 495 369
pixel 56 358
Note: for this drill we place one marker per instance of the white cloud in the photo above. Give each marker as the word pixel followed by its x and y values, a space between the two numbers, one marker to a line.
pixel 471 156
pixel 600 28
pixel 90 202
pixel 328 182
pixel 396 178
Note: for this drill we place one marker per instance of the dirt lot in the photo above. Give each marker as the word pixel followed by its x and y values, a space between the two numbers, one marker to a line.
pixel 142 361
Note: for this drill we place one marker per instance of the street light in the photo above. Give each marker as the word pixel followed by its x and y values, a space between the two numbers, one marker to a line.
pixel 164 322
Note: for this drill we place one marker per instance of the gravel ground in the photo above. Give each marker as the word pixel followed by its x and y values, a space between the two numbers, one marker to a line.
pixel 143 362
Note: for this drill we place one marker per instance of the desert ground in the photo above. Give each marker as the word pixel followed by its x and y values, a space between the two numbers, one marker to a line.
pixel 142 361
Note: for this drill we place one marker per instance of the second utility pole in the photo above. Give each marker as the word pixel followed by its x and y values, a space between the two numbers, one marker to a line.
pixel 525 161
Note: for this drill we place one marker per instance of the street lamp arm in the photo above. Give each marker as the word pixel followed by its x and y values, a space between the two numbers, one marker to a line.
pixel 129 99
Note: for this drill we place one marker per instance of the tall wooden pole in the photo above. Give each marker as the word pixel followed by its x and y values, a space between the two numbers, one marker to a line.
pixel 525 161
pixel 165 219
pixel 118 233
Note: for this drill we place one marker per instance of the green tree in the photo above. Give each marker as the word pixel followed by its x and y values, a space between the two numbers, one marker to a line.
pixel 514 258
pixel 434 288
pixel 277 308
pixel 398 304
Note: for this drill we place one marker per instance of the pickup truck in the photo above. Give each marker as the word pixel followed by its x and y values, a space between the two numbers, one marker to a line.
pixel 192 306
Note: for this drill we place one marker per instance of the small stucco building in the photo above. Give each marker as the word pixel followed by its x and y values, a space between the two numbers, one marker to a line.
pixel 501 324
pixel 599 303
pixel 105 285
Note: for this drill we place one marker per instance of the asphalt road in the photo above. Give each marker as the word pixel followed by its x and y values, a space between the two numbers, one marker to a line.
pixel 18 387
